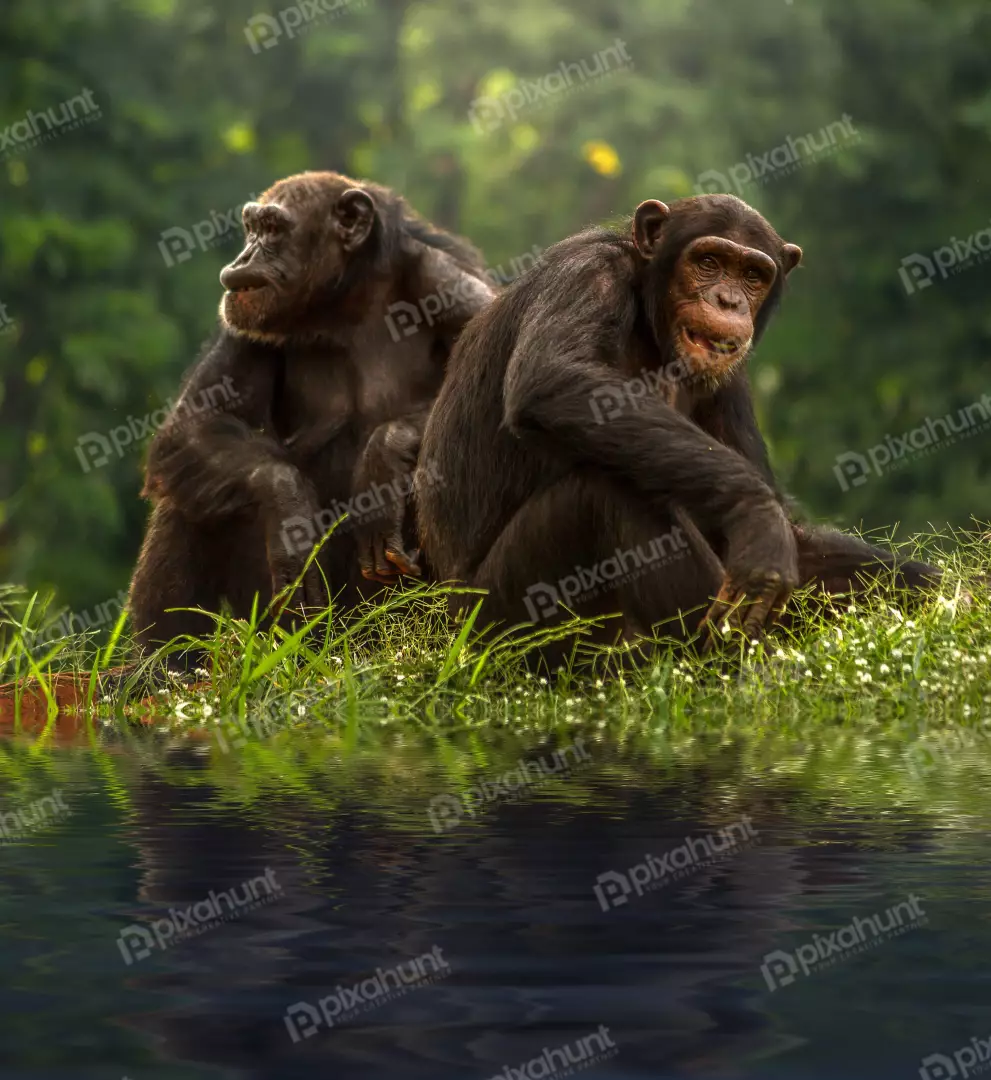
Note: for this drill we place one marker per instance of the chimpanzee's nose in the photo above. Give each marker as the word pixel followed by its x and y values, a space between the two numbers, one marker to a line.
pixel 730 299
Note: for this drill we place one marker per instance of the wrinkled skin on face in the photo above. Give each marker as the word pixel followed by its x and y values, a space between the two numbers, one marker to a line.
pixel 719 288
pixel 715 292
pixel 294 257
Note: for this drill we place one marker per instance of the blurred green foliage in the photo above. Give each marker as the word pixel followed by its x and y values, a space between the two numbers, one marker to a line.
pixel 186 108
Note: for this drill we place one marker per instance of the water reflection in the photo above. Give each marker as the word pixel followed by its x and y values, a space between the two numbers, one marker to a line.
pixel 733 847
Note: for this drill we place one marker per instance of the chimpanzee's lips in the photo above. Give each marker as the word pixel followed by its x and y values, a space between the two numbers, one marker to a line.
pixel 246 289
pixel 725 347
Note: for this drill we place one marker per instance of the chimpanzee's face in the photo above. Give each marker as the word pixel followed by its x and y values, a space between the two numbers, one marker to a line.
pixel 297 243
pixel 717 291
pixel 711 264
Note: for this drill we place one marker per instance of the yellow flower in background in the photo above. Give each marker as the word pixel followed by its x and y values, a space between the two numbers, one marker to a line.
pixel 602 157
pixel 239 138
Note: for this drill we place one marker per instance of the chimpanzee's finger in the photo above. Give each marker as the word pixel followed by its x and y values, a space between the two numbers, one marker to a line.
pixel 724 609
pixel 406 562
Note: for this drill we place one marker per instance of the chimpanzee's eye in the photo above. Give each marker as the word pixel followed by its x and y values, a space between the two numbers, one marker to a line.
pixel 754 277
pixel 707 262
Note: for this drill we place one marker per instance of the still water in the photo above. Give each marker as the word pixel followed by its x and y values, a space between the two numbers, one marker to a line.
pixel 748 902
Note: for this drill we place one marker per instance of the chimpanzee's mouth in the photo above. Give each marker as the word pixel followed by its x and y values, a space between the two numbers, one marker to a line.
pixel 246 289
pixel 725 347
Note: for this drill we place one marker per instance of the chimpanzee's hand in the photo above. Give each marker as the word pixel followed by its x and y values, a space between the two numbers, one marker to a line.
pixel 292 527
pixel 381 486
pixel 761 572
pixel 381 551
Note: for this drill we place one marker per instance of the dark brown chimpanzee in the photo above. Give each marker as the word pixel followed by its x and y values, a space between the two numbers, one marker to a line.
pixel 598 442
pixel 335 329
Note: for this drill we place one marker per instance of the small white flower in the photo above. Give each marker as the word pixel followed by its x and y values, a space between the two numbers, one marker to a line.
pixel 896 653
pixel 884 669
pixel 865 677
pixel 829 667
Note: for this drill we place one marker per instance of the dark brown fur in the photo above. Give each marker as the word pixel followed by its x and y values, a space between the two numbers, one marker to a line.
pixel 326 400
pixel 538 487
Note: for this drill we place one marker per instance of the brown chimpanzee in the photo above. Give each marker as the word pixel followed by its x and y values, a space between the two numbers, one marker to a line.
pixel 598 443
pixel 335 329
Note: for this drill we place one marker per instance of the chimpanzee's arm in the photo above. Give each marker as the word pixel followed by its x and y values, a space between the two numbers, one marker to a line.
pixel 448 293
pixel 216 453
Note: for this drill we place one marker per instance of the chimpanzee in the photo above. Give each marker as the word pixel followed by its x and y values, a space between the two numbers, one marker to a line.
pixel 335 328
pixel 598 443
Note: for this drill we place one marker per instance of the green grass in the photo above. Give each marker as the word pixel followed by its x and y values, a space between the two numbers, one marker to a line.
pixel 404 661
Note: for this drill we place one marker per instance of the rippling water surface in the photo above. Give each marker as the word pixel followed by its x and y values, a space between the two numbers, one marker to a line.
pixel 748 903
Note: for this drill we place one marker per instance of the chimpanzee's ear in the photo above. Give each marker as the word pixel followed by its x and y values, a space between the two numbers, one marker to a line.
pixel 647 222
pixel 354 216
pixel 791 256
